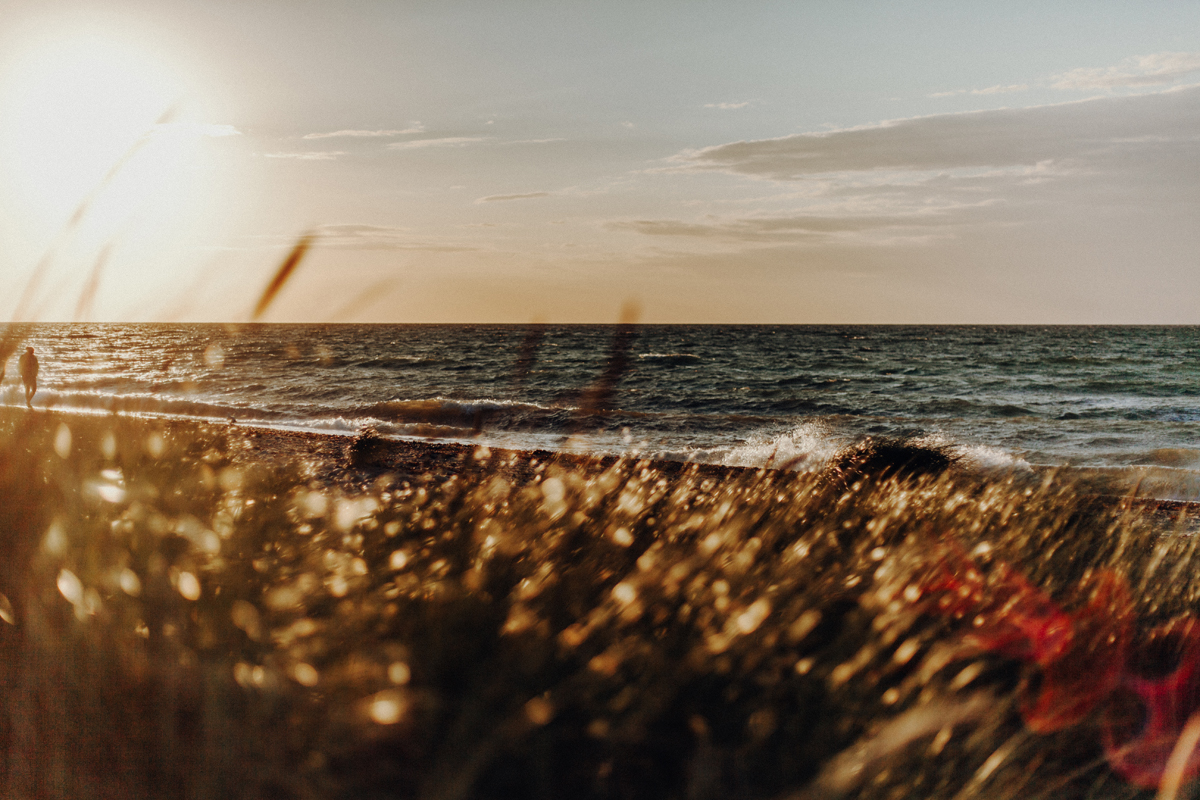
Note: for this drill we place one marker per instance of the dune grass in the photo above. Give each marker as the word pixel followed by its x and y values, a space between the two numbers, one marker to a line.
pixel 183 620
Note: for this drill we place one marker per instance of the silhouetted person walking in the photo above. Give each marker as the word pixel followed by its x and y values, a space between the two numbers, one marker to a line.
pixel 29 369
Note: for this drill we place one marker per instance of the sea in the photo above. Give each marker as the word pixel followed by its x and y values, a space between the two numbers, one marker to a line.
pixel 1120 398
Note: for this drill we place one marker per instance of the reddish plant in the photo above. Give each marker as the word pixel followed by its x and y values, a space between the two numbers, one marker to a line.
pixel 1082 659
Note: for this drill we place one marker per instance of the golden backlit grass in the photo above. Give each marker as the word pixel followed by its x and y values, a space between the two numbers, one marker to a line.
pixel 185 621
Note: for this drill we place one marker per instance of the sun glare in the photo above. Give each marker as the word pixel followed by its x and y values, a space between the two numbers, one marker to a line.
pixel 74 109
pixel 96 122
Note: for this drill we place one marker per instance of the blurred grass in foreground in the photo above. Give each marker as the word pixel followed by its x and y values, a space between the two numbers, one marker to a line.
pixel 192 622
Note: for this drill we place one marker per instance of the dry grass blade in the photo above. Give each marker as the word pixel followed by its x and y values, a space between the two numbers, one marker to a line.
pixel 47 260
pixel 1174 775
pixel 597 400
pixel 163 119
pixel 9 342
pixel 600 396
pixel 93 284
pixel 282 275
pixel 527 353
pixel 365 299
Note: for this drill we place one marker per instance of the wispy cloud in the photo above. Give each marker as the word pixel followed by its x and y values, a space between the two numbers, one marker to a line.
pixel 318 155
pixel 775 230
pixel 207 130
pixel 358 236
pixel 979 139
pixel 447 141
pixel 924 179
pixel 1016 87
pixel 728 106
pixel 366 134
pixel 504 197
pixel 535 141
pixel 1158 69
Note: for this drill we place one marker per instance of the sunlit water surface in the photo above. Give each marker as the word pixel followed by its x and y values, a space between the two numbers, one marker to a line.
pixel 1106 397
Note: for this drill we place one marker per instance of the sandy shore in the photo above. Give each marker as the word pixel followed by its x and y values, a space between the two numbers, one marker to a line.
pixel 354 462
pixel 340 459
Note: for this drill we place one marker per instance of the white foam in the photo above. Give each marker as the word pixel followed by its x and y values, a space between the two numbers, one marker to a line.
pixel 975 456
pixel 806 447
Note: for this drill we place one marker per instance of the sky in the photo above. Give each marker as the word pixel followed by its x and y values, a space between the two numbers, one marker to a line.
pixel 536 161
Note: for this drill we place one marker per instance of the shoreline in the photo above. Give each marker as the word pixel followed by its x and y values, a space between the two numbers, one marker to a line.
pixel 352 462
pixel 356 459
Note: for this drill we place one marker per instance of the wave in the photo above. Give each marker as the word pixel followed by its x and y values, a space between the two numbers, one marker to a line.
pixel 962 407
pixel 1125 413
pixel 395 362
pixel 429 418
pixel 1170 457
pixel 812 445
pixel 978 457
pixel 454 413
pixel 806 447
pixel 136 404
pixel 1009 410
pixel 671 359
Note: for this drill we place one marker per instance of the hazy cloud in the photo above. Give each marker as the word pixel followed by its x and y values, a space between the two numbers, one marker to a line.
pixel 776 230
pixel 448 141
pixel 363 134
pixel 501 197
pixel 200 129
pixel 219 130
pixel 320 155
pixel 535 141
pixel 954 176
pixel 1016 87
pixel 980 139
pixel 357 236
pixel 727 106
pixel 1158 69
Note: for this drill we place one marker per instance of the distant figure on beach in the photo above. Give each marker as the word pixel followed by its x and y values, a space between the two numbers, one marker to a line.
pixel 29 370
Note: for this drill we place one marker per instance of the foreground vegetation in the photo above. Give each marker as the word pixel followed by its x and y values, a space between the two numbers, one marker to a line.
pixel 183 620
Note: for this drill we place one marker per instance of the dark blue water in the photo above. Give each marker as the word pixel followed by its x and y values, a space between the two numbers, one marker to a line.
pixel 1091 396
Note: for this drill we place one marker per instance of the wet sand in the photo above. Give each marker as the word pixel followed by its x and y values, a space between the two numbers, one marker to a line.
pixel 343 460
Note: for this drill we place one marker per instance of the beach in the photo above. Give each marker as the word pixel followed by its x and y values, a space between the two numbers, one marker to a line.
pixel 353 462
pixel 350 462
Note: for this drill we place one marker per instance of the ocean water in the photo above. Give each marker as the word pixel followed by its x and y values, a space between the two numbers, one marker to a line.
pixel 1123 398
